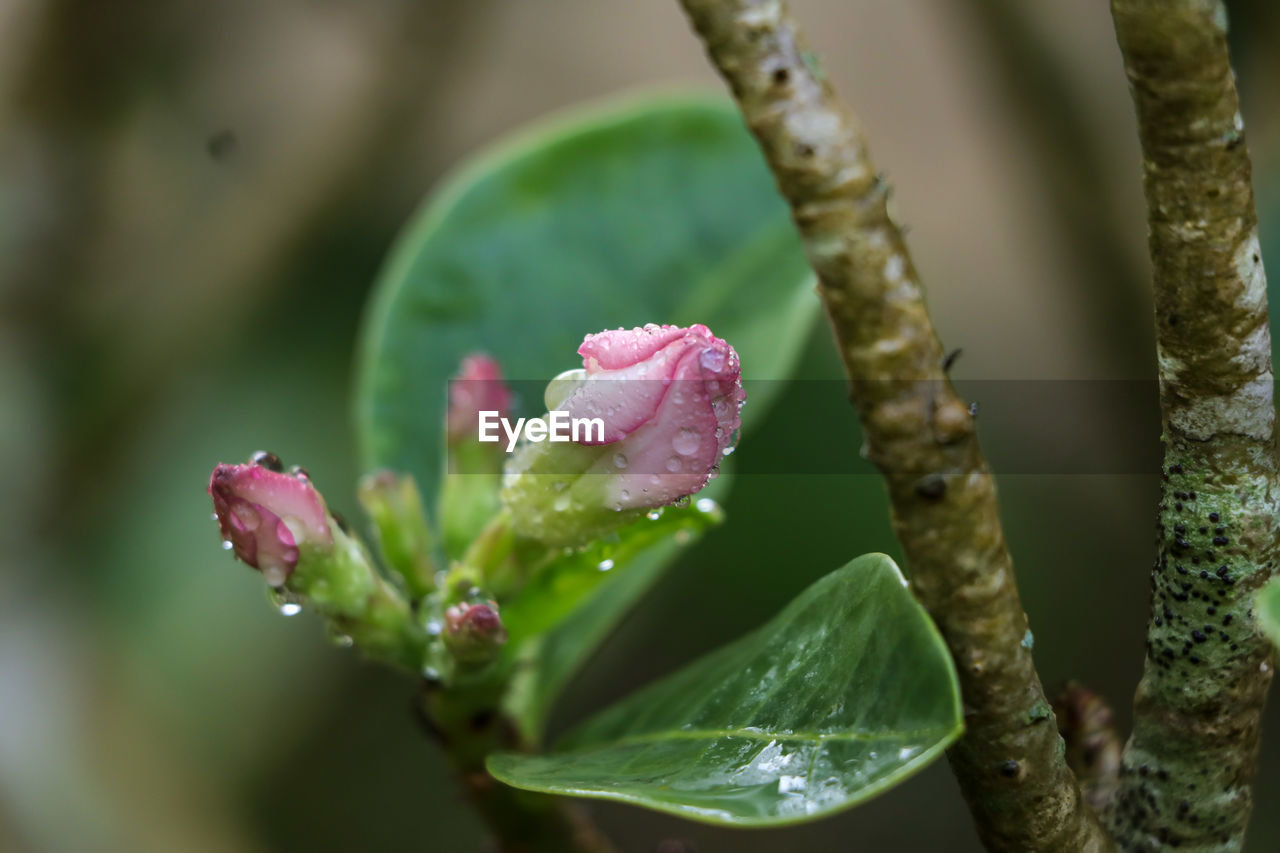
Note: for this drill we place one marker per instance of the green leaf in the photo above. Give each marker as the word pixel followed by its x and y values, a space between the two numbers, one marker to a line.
pixel 658 209
pixel 846 692
pixel 551 630
pixel 1267 608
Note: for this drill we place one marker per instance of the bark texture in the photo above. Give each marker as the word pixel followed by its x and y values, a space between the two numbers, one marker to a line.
pixel 919 433
pixel 1187 769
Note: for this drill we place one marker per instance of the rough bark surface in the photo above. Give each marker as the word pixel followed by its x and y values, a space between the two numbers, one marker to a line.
pixel 919 433
pixel 1187 769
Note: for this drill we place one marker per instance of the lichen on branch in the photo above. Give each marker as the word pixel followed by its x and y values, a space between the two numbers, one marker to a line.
pixel 1188 766
pixel 918 432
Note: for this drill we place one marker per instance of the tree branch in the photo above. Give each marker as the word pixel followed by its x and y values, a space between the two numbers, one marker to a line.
pixel 1189 763
pixel 918 432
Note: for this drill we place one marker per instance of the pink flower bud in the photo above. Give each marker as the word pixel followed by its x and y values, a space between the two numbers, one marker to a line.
pixel 669 398
pixel 666 403
pixel 267 516
pixel 474 632
pixel 477 388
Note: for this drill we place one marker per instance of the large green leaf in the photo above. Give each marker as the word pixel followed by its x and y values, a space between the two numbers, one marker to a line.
pixel 846 692
pixel 659 209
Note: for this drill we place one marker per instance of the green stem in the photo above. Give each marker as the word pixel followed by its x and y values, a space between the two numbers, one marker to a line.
pixel 1189 764
pixel 343 586
pixel 920 434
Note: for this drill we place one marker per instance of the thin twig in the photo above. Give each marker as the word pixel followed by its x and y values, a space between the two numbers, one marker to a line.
pixel 1188 766
pixel 918 432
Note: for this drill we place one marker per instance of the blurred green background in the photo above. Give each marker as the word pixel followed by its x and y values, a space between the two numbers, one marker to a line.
pixel 194 201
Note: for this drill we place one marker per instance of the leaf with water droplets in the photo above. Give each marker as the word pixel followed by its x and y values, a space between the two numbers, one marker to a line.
pixel 845 693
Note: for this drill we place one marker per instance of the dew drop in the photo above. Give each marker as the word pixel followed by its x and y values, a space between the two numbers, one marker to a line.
pixel 625 495
pixel 290 608
pixel 686 441
pixel 343 641
pixel 682 501
pixel 227 544
pixel 561 503
pixel 274 575
pixel 244 518
pixel 654 514
pixel 605 565
pixel 728 451
pixel 673 464
pixel 705 505
pixel 712 359
pixel 619 460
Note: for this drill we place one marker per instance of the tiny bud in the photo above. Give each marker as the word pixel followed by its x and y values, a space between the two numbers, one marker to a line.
pixel 477 388
pixel 268 517
pixel 474 632
pixel 400 522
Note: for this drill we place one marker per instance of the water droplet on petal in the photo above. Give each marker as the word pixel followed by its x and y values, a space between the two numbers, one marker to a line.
pixel 227 544
pixel 561 503
pixel 681 501
pixel 673 464
pixel 290 608
pixel 728 450
pixel 245 518
pixel 274 575
pixel 685 442
pixel 625 494
pixel 654 514
pixel 619 461
pixel 712 359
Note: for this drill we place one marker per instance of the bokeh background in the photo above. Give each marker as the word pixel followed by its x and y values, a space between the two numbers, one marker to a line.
pixel 194 201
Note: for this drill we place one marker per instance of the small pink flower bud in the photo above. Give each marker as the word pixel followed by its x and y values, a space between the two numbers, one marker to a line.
pixel 267 516
pixel 474 632
pixel 477 388
pixel 668 399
